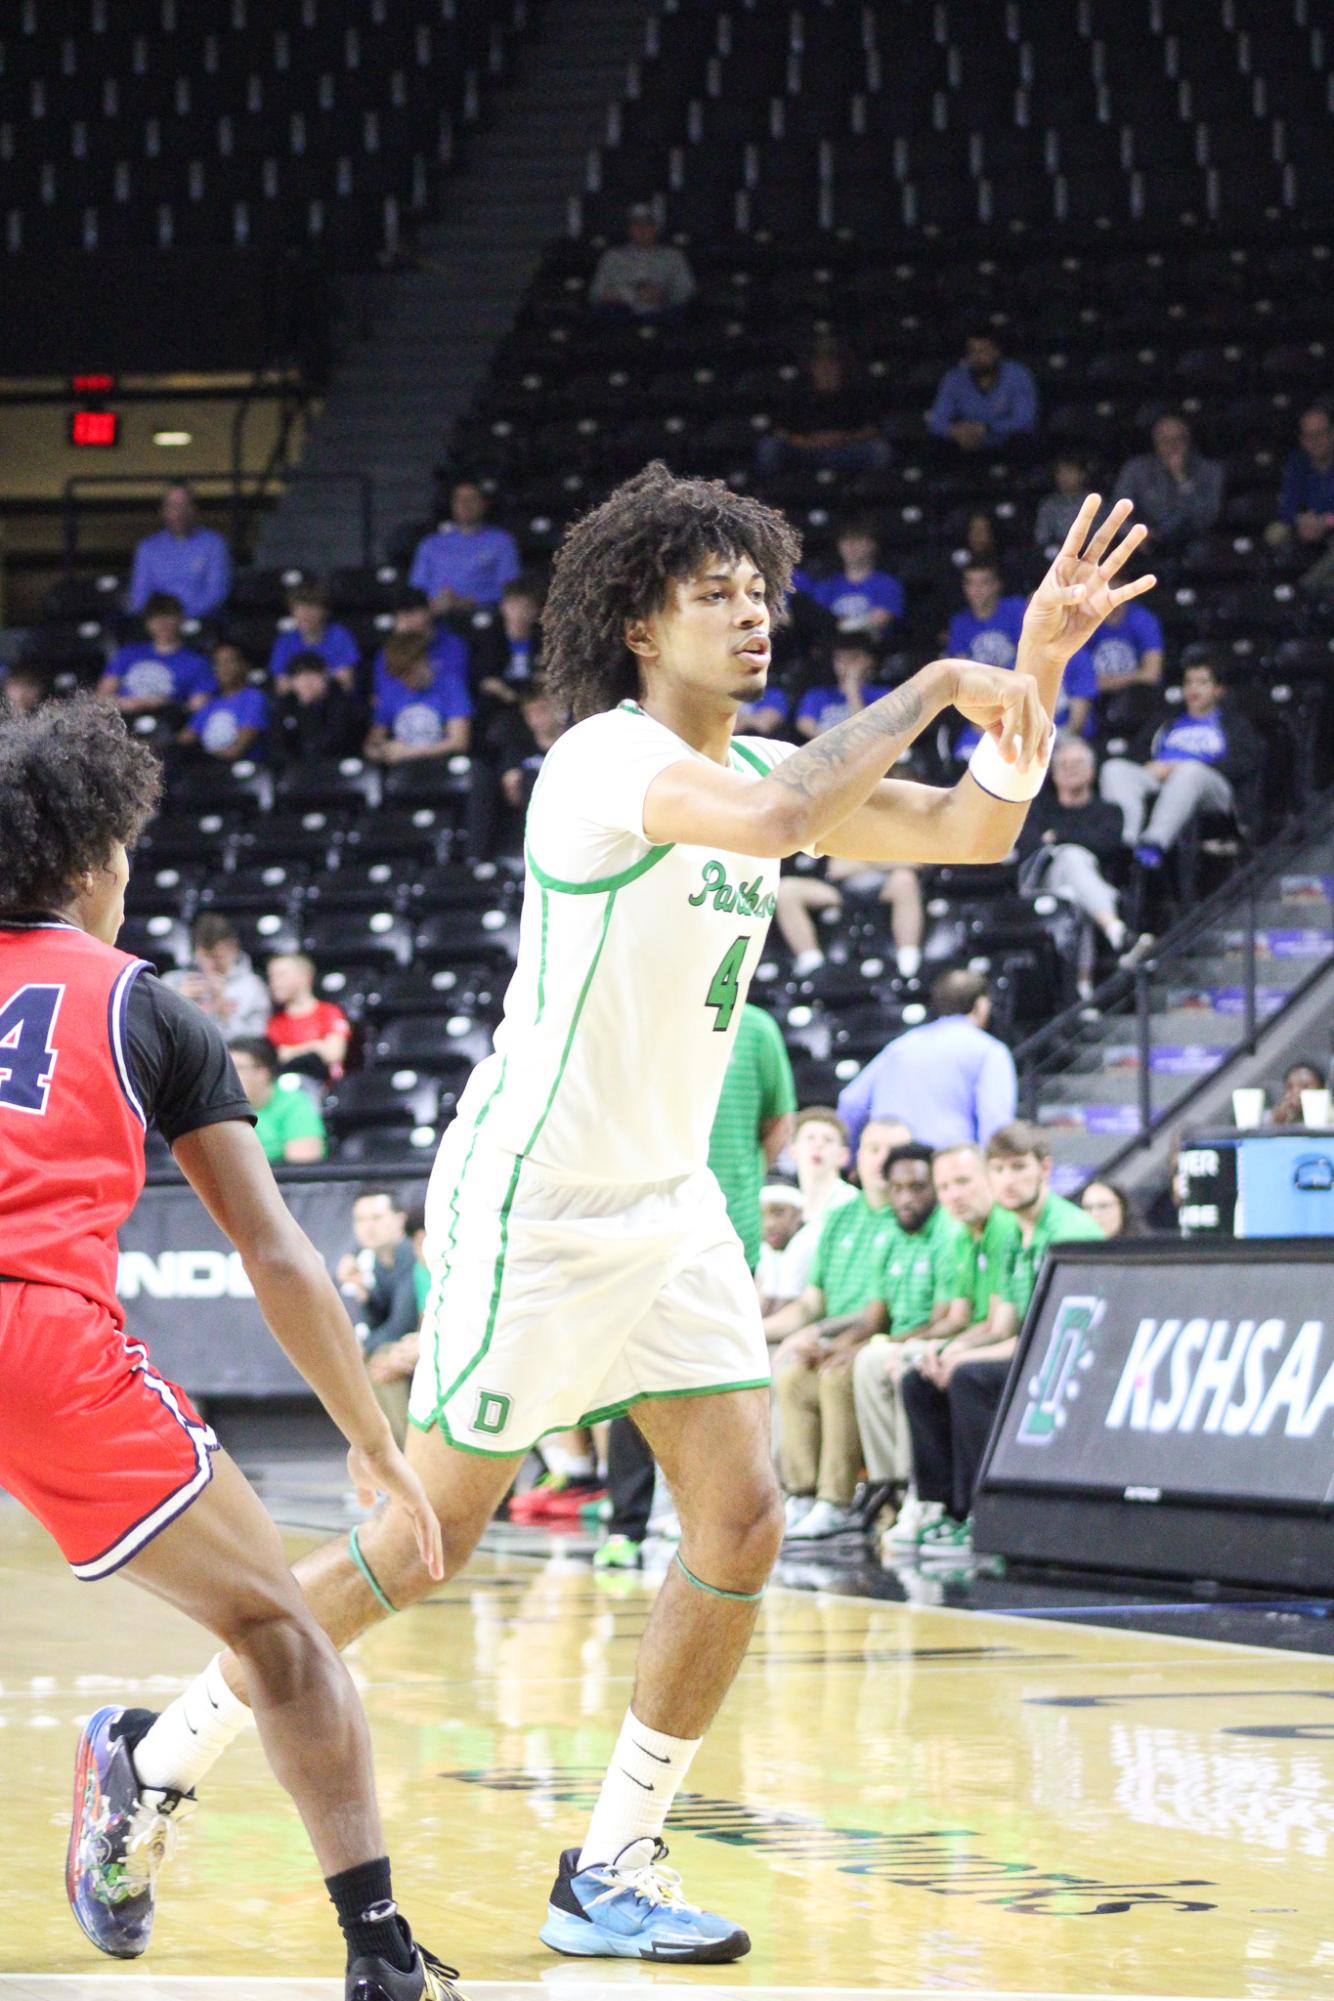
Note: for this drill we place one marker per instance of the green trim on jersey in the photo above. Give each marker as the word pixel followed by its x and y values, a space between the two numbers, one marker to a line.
pixel 589 1417
pixel 493 1306
pixel 601 885
pixel 454 1210
pixel 752 758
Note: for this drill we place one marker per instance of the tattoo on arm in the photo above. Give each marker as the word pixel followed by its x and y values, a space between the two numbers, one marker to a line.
pixel 895 720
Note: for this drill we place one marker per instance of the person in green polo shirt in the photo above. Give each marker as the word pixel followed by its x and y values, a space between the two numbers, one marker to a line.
pixel 952 1400
pixel 753 1122
pixel 921 1283
pixel 817 1337
pixel 985 1247
pixel 288 1122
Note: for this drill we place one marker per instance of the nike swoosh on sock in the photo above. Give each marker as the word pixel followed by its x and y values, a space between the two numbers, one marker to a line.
pixel 651 1754
pixel 638 1782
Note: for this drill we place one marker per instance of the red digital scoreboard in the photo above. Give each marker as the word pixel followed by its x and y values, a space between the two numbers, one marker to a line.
pixel 97 428
pixel 94 428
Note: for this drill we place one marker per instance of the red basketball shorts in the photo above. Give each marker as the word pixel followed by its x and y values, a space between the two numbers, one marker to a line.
pixel 94 1443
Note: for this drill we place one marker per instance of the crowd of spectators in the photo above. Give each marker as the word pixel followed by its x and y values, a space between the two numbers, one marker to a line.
pixel 892 1303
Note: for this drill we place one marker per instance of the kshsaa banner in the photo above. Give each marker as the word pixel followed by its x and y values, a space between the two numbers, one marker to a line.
pixel 186 1294
pixel 1207 1378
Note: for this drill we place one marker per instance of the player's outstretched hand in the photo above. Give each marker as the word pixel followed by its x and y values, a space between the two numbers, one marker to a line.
pixel 387 1472
pixel 1004 705
pixel 1077 592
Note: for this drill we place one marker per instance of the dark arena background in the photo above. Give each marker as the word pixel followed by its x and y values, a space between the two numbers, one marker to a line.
pixel 320 322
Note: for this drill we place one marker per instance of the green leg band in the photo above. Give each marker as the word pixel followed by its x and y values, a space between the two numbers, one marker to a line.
pixel 741 1597
pixel 354 1551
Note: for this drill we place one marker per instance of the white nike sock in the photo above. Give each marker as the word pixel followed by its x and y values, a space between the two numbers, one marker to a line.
pixel 191 1734
pixel 642 1780
pixel 908 958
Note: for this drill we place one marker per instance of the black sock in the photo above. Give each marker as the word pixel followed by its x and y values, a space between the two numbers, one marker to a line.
pixel 368 1914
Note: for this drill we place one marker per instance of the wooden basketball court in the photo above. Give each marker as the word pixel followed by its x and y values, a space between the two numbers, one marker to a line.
pixel 898 1800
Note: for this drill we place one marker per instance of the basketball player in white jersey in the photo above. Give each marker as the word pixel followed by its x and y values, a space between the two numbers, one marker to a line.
pixel 582 1260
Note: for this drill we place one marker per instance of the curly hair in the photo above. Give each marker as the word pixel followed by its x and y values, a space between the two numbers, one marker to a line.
pixel 619 562
pixel 72 784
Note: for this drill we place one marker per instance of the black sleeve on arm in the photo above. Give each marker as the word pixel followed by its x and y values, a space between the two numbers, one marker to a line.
pixel 179 1062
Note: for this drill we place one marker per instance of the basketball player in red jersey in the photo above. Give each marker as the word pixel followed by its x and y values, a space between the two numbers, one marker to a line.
pixel 109 1456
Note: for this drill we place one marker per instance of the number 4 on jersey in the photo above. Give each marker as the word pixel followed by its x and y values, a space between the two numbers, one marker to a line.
pixel 27 1059
pixel 723 992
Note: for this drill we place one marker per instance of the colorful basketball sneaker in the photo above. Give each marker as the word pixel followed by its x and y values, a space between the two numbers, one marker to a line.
pixel 120 1835
pixel 628 1909
pixel 428 1979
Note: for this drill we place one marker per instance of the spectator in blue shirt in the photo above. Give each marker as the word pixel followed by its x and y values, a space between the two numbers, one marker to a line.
pixel 1306 502
pixel 464 563
pixel 148 676
pixel 448 653
pixel 234 723
pixel 1194 765
pixel 187 561
pixel 948 1081
pixel 854 661
pixel 420 707
pixel 312 632
pixel 861 596
pixel 984 400
pixel 989 631
pixel 1127 650
pixel 766 715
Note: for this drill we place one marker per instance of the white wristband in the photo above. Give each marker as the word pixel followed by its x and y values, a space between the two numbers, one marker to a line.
pixel 1006 781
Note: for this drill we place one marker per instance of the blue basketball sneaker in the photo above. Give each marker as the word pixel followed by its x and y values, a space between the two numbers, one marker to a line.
pixel 628 1909
pixel 120 1836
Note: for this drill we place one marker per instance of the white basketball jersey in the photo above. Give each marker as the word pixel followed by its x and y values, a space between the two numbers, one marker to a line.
pixel 633 965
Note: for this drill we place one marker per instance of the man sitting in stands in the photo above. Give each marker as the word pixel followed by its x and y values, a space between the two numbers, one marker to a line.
pixel 316 718
pixel 310 1036
pixel 312 631
pixel 1193 766
pixel 643 277
pixel 288 1123
pixel 827 421
pixel 984 400
pixel 951 1398
pixel 861 596
pixel 183 560
pixel 158 676
pixel 1068 839
pixel 420 707
pixel 816 1338
pixel 464 563
pixel 234 723
pixel 1176 490
pixel 222 981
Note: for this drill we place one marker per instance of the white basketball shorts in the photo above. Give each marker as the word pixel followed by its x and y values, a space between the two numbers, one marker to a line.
pixel 555 1302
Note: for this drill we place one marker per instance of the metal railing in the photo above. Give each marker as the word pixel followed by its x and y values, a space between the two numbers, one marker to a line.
pixel 1125 1001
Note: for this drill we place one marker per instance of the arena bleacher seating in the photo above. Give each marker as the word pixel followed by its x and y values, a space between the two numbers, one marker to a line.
pixel 235 123
pixel 1132 198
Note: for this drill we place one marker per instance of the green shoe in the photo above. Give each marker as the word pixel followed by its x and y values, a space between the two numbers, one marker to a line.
pixel 946 1541
pixel 619 1552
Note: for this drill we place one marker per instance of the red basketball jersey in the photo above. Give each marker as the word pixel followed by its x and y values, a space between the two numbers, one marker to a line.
pixel 71 1127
